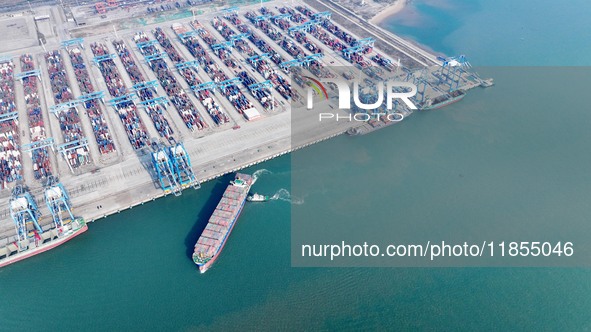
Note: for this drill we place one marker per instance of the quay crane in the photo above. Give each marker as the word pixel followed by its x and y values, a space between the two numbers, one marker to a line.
pixel 23 211
pixel 451 70
pixel 57 201
pixel 182 166
pixel 419 79
pixel 164 169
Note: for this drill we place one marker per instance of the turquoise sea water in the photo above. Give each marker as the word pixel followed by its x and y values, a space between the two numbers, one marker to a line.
pixel 500 32
pixel 132 271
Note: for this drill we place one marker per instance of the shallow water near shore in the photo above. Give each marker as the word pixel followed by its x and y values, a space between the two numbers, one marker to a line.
pixel 132 271
pixel 500 32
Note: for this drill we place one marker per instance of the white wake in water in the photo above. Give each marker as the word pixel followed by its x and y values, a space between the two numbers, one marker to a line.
pixel 284 195
pixel 259 173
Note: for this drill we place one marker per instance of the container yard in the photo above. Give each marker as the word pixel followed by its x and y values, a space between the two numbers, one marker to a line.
pixel 74 148
pixel 90 100
pixel 11 168
pixel 122 100
pixel 220 80
pixel 40 143
pixel 179 97
pixel 146 91
pixel 188 70
pixel 218 89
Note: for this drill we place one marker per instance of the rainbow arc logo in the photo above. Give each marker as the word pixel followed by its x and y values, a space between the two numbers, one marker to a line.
pixel 317 86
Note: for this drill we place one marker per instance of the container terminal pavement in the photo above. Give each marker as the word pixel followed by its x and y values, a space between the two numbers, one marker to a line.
pixel 119 120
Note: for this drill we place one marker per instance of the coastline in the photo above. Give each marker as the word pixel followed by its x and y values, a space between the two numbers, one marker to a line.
pixel 388 11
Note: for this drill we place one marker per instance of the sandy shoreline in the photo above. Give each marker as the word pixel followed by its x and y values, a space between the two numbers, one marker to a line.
pixel 388 11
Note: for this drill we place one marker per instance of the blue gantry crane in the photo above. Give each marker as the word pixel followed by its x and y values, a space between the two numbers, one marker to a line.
pixel 55 109
pixel 187 65
pixel 75 41
pixel 204 86
pixel 311 58
pixel 231 10
pixel 164 169
pixel 419 79
pixel 182 166
pixel 451 70
pixel 223 45
pixel 188 34
pixel 24 211
pixel 29 73
pixel 145 85
pixel 104 57
pixel 365 42
pixel 10 116
pixel 39 144
pixel 322 15
pixel 66 148
pixel 232 81
pixel 58 202
pixel 155 56
pixel 285 16
pixel 256 58
pixel 286 65
pixel 260 18
pixel 303 27
pixel 162 101
pixel 240 36
pixel 148 43
pixel 125 99
pixel 100 95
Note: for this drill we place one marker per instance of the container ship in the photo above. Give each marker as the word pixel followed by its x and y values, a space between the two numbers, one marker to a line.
pixel 33 239
pixel 222 221
pixel 444 100
pixel 17 251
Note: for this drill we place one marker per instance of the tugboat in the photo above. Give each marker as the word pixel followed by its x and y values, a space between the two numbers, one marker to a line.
pixel 257 198
pixel 354 131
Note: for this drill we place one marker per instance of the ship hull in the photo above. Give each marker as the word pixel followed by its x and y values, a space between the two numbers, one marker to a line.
pixel 221 223
pixel 203 268
pixel 42 248
pixel 445 103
